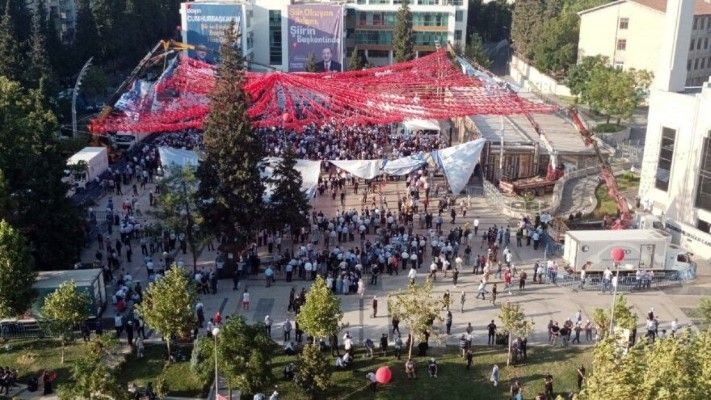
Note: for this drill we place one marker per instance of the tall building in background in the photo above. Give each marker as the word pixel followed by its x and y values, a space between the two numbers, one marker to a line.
pixel 66 16
pixel 628 33
pixel 676 170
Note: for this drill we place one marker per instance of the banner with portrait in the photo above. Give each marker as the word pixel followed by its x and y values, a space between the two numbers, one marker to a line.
pixel 315 29
pixel 204 26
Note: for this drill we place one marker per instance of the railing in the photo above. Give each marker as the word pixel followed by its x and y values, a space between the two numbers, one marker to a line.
pixel 516 207
pixel 560 186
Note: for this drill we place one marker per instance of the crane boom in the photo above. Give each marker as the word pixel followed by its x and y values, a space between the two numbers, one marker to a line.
pixel 613 190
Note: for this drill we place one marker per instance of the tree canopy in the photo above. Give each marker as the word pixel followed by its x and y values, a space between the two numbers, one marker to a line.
pixel 475 51
pixel 64 309
pixel 514 321
pixel 167 305
pixel 321 314
pixel 418 310
pixel 17 273
pixel 288 204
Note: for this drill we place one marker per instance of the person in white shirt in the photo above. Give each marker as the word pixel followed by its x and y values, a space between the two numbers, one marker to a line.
pixel 606 278
pixel 268 324
pixel 412 274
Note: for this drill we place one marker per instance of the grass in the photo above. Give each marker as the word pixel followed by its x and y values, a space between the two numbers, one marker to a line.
pixel 608 128
pixel 181 381
pixel 454 381
pixel 31 356
pixel 606 205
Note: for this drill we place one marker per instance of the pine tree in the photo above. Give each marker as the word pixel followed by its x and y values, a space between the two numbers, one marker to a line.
pixel 86 39
pixel 288 204
pixel 314 370
pixel 403 38
pixel 475 51
pixel 310 62
pixel 39 73
pixel 11 65
pixel 230 181
pixel 356 63
pixel 17 274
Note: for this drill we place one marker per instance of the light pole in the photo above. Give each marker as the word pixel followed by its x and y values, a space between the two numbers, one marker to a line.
pixel 75 93
pixel 618 255
pixel 215 333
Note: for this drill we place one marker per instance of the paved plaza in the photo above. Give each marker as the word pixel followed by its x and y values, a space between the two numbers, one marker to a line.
pixel 541 302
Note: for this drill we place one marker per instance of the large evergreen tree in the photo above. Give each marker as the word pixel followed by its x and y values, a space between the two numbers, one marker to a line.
pixel 231 186
pixel 86 39
pixel 526 23
pixel 475 51
pixel 288 204
pixel 37 204
pixel 39 73
pixel 11 63
pixel 403 38
pixel 356 62
pixel 17 274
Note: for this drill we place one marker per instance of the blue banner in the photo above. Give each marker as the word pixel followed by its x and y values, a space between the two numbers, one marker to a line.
pixel 205 25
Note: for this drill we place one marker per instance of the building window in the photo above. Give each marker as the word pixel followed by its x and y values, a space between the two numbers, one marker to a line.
pixel 696 64
pixel 706 43
pixel 703 63
pixel 619 65
pixel 691 46
pixel 696 22
pixel 703 191
pixel 275 37
pixel 703 226
pixel 427 2
pixel 459 16
pixel 698 44
pixel 624 23
pixel 666 155
pixel 458 34
pixel 621 44
pixel 702 21
pixel 688 65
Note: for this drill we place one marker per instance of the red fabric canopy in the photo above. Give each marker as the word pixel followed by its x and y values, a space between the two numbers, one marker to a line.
pixel 429 87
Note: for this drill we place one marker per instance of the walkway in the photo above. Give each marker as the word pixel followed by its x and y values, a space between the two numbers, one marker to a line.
pixel 579 195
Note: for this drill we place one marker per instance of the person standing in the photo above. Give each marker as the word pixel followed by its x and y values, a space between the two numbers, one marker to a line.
pixel 245 300
pixel 384 344
pixel 494 291
pixel 494 375
pixel 492 333
pixel 462 299
pixel 268 325
pixel 448 322
pixel 287 330
pixel 396 324
pixel 548 385
pixel 375 307
pixel 581 377
pixel 469 356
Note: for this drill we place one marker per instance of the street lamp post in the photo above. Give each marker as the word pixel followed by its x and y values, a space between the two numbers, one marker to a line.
pixel 618 255
pixel 215 333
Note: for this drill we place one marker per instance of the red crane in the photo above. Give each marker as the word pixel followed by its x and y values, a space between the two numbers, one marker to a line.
pixel 625 219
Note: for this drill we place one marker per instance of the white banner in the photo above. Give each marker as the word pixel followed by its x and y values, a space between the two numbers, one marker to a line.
pixel 458 162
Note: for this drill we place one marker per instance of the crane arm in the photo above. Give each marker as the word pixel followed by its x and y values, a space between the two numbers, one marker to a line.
pixel 605 172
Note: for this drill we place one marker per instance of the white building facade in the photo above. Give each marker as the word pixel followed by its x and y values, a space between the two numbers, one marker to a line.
pixel 676 170
pixel 627 32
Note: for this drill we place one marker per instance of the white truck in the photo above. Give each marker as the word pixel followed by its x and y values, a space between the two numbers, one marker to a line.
pixel 644 248
pixel 92 162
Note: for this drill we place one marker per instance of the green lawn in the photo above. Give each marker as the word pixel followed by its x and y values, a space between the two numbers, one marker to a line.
pixel 454 381
pixel 30 356
pixel 606 205
pixel 180 380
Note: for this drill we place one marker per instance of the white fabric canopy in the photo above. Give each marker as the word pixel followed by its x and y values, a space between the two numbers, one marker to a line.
pixel 458 162
pixel 421 125
pixel 309 170
pixel 405 165
pixel 170 156
pixel 366 169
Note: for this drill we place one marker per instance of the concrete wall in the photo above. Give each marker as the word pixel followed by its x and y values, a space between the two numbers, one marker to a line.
pixel 530 78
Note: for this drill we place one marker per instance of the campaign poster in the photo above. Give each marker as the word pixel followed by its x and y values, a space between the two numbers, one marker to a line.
pixel 205 25
pixel 317 29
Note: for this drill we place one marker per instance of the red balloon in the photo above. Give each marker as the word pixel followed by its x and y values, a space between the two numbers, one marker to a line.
pixel 286 117
pixel 617 254
pixel 383 375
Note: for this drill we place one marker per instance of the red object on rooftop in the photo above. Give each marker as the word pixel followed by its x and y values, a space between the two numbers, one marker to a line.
pixel 617 254
pixel 429 87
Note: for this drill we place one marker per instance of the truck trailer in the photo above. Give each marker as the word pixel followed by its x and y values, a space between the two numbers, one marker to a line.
pixel 644 248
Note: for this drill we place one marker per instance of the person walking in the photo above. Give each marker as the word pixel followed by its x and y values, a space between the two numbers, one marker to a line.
pixel 268 325
pixel 469 356
pixel 462 299
pixel 287 330
pixel 580 377
pixel 494 291
pixel 522 280
pixel 494 375
pixel 481 291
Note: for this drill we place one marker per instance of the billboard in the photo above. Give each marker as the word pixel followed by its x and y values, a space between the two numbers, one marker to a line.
pixel 204 26
pixel 317 29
